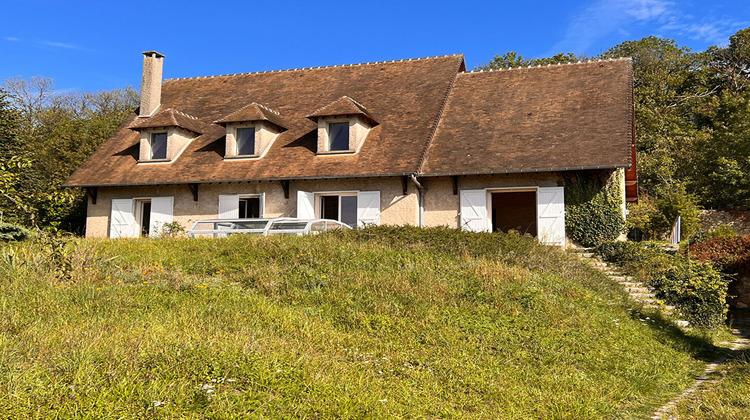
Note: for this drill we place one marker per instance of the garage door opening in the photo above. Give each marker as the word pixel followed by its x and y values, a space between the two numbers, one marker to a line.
pixel 514 210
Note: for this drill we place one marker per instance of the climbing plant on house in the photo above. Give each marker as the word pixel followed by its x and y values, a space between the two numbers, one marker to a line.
pixel 593 208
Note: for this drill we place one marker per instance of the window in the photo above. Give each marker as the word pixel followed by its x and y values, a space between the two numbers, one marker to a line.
pixel 158 146
pixel 249 208
pixel 338 136
pixel 245 141
pixel 143 213
pixel 339 207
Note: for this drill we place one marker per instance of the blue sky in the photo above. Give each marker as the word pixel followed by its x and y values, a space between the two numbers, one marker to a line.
pixel 96 45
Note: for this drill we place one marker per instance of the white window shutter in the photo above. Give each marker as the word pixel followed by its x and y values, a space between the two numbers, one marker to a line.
pixel 122 219
pixel 551 215
pixel 368 208
pixel 262 211
pixel 474 210
pixel 229 206
pixel 305 205
pixel 161 214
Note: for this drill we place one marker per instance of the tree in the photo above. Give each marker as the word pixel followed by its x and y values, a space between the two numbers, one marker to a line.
pixel 513 59
pixel 54 133
pixel 672 94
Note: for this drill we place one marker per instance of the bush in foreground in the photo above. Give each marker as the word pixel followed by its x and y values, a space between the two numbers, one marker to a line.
pixel 11 233
pixel 696 289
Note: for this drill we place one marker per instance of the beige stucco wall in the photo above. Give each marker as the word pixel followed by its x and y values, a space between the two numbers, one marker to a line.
pixel 396 209
pixel 358 130
pixel 265 134
pixel 177 140
pixel 442 207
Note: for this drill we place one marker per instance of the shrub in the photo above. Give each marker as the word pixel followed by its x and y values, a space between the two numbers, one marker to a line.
pixel 10 232
pixel 593 212
pixel 678 203
pixel 721 231
pixel 644 220
pixel 724 252
pixel 173 230
pixel 697 290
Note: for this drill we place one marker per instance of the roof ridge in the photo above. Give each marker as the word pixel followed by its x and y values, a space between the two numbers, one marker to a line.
pixel 551 65
pixel 263 107
pixel 314 68
pixel 184 114
pixel 336 100
pixel 355 102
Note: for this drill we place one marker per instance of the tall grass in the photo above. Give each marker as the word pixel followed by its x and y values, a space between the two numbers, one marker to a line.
pixel 379 323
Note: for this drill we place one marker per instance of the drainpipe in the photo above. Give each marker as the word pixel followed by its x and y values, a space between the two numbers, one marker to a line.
pixel 421 189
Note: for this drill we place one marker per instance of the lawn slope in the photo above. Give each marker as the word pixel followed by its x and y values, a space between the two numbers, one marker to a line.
pixel 380 323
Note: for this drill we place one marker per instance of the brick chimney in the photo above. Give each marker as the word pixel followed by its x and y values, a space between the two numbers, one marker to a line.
pixel 151 85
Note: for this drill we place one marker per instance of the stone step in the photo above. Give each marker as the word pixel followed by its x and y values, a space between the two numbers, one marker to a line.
pixel 640 291
pixel 643 296
pixel 632 284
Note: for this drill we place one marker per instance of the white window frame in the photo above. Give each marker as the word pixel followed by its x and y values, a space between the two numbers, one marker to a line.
pixel 236 129
pixel 136 218
pixel 262 207
pixel 151 145
pixel 138 203
pixel 319 200
pixel 237 198
pixel 348 123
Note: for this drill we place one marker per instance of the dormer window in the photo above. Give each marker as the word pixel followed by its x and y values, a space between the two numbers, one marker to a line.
pixel 158 146
pixel 250 131
pixel 338 136
pixel 165 135
pixel 343 126
pixel 245 141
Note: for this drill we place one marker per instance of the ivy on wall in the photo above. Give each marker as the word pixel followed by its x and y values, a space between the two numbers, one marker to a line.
pixel 593 207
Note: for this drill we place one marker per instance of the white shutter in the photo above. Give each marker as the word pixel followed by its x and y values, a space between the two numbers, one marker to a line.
pixel 474 210
pixel 161 214
pixel 368 208
pixel 122 220
pixel 229 206
pixel 550 212
pixel 262 211
pixel 305 205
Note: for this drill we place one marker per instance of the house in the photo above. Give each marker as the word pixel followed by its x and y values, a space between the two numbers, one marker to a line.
pixel 409 142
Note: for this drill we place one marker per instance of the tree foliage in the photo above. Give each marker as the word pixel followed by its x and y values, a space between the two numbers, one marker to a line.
pixel 692 112
pixel 512 59
pixel 44 136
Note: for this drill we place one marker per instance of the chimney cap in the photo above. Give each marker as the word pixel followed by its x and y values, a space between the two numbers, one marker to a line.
pixel 153 54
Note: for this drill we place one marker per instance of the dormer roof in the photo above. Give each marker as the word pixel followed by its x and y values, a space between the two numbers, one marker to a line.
pixel 167 117
pixel 253 112
pixel 342 106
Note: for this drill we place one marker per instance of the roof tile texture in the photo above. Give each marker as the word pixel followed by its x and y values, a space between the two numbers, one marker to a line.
pixel 404 96
pixel 562 116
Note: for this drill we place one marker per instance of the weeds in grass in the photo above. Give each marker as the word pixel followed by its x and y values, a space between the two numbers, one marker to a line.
pixel 377 323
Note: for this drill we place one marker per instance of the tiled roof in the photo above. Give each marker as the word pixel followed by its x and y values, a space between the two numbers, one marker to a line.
pixel 253 112
pixel 557 117
pixel 433 119
pixel 342 106
pixel 167 117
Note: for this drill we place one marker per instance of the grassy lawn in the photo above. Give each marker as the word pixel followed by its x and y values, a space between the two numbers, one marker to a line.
pixel 381 323
pixel 730 399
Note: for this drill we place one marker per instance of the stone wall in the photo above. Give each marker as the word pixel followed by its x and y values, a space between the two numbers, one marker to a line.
pixel 740 220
